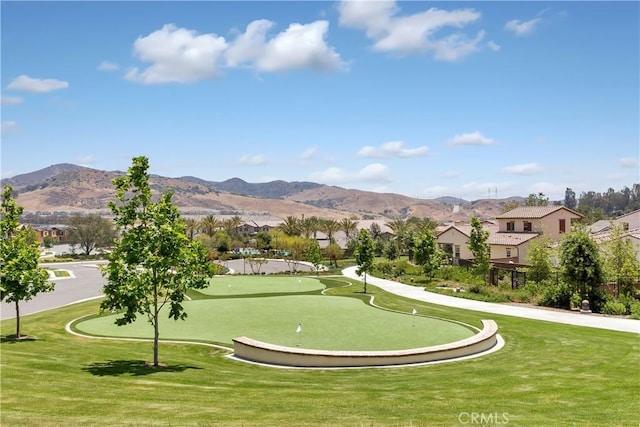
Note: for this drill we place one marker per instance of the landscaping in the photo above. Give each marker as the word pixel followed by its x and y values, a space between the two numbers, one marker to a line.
pixel 547 374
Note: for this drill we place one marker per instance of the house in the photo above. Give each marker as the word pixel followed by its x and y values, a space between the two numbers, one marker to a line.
pixel 629 221
pixel 58 233
pixel 453 240
pixel 604 237
pixel 552 221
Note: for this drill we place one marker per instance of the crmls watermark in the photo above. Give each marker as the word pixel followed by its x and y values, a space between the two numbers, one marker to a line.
pixel 484 418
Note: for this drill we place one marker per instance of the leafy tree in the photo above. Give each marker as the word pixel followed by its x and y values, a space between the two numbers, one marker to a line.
pixel 536 200
pixel 621 260
pixel 263 241
pixel 570 199
pixel 479 247
pixel 91 232
pixel 540 254
pixel 47 242
pixel 313 254
pixel 334 252
pixel 427 253
pixel 20 277
pixel 153 264
pixel 390 250
pixel 421 225
pixel 364 255
pixel 256 262
pixel 509 205
pixel 580 262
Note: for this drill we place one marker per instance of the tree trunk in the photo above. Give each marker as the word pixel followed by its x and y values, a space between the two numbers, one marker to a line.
pixel 156 331
pixel 365 282
pixel 17 320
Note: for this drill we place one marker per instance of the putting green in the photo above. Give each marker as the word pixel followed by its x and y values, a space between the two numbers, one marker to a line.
pixel 327 322
pixel 248 285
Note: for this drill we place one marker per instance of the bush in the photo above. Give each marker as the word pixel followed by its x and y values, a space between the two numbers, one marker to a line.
pixel 614 308
pixel 556 296
pixel 635 310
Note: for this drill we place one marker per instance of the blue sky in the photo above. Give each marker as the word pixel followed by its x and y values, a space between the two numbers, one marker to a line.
pixel 427 99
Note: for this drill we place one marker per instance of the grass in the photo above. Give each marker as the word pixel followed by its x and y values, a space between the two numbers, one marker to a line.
pixel 547 374
pixel 275 320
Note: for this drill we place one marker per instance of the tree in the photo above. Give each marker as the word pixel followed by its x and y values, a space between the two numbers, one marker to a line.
pixel 91 232
pixel 390 250
pixel 330 227
pixel 153 264
pixel 350 227
pixel 540 254
pixel 536 200
pixel 313 254
pixel 479 247
pixel 290 226
pixel 192 225
pixel 580 262
pixel 375 230
pixel 334 252
pixel 364 255
pixel 20 277
pixel 621 260
pixel 427 253
pixel 570 199
pixel 210 224
pixel 509 205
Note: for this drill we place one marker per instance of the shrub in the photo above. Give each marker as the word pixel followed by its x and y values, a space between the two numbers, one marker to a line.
pixel 635 310
pixel 556 296
pixel 613 307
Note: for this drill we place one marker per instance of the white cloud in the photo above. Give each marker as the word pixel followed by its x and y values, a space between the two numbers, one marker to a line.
pixel 177 55
pixel 473 138
pixel 86 160
pixel 412 33
pixel 34 85
pixel 8 126
pixel 373 173
pixel 493 46
pixel 309 153
pixel 392 149
pixel 522 28
pixel 108 66
pixel 522 169
pixel 628 162
pixel 256 160
pixel 11 100
pixel 299 46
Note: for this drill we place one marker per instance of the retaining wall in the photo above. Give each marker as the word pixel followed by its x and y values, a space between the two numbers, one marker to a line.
pixel 257 351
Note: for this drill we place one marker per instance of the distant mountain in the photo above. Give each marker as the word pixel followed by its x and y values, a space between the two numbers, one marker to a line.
pixel 71 188
pixel 268 190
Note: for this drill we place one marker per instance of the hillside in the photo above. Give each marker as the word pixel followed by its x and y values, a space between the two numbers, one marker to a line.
pixel 71 188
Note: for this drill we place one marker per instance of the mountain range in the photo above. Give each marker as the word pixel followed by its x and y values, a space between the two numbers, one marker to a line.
pixel 76 189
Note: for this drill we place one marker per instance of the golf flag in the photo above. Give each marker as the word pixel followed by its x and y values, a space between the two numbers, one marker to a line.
pixel 414 312
pixel 299 329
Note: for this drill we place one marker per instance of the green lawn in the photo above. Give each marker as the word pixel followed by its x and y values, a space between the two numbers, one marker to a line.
pixel 547 374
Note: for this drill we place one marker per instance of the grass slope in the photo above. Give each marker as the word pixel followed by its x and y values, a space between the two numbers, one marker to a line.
pixel 547 374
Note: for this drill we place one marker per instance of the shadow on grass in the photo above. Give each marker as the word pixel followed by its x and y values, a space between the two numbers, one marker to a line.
pixel 131 367
pixel 12 339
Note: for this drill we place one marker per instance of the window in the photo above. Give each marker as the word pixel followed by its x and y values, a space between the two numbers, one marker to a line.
pixel 527 226
pixel 511 226
pixel 457 251
pixel 508 252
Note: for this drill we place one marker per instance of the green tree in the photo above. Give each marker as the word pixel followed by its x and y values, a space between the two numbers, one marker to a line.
pixel 91 232
pixel 621 260
pixel 536 200
pixel 426 253
pixel 290 226
pixel 479 247
pixel 509 205
pixel 263 241
pixel 390 250
pixel 330 227
pixel 364 255
pixel 153 263
pixel 570 199
pixel 193 226
pixel 20 277
pixel 313 254
pixel 210 224
pixel 540 254
pixel 580 262
pixel 350 227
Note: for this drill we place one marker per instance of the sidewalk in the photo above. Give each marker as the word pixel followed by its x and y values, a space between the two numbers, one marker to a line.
pixel 569 318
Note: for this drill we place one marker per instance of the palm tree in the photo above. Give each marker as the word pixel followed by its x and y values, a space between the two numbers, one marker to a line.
pixel 290 226
pixel 210 224
pixel 349 226
pixel 400 229
pixel 330 227
pixel 192 227
pixel 230 225
pixel 309 226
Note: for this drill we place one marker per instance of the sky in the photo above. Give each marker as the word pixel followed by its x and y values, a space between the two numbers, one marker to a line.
pixel 427 99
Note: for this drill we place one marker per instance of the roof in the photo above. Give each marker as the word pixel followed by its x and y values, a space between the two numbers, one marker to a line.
pixel 636 212
pixel 600 225
pixel 534 212
pixel 510 239
pixel 466 229
pixel 605 236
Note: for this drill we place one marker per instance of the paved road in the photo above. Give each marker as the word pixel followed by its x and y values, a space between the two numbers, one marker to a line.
pixel 87 282
pixel 570 318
